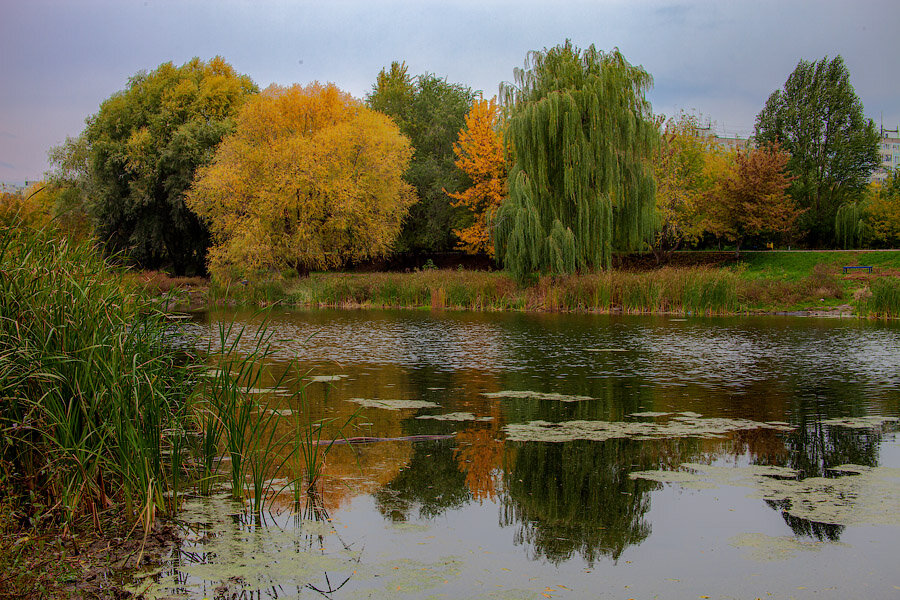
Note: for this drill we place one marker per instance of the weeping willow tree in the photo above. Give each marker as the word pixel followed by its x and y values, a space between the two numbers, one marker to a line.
pixel 581 186
pixel 850 226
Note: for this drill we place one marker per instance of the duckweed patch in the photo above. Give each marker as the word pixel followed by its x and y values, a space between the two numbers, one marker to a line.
pixel 681 425
pixel 871 422
pixel 406 526
pixel 273 391
pixel 767 548
pixel 393 404
pixel 410 577
pixel 856 495
pixel 327 378
pixel 456 416
pixel 528 395
pixel 240 557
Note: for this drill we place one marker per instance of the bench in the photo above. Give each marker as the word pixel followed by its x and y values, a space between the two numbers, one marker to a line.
pixel 866 269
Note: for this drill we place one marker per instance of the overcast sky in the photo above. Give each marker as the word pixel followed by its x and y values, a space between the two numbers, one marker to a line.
pixel 721 59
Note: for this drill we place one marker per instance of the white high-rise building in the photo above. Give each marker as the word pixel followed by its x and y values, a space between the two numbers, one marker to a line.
pixel 889 152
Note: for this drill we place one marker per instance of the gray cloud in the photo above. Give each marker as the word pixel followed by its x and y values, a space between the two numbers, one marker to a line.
pixel 721 59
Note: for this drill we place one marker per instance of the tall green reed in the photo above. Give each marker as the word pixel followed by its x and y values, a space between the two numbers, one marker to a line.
pixel 884 299
pixel 90 380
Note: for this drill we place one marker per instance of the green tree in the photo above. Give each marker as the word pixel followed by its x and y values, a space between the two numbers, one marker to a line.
pixel 819 120
pixel 682 180
pixel 581 186
pixel 431 112
pixel 144 146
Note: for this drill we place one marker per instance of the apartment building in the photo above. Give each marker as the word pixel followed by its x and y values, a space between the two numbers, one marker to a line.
pixel 889 153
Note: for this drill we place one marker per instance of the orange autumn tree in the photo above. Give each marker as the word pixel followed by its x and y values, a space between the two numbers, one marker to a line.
pixel 749 198
pixel 310 179
pixel 481 154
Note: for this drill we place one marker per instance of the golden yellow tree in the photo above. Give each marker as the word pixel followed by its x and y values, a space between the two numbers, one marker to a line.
pixel 480 154
pixel 680 167
pixel 883 210
pixel 310 179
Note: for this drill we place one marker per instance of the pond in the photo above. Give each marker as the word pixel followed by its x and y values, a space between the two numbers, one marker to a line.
pixel 572 456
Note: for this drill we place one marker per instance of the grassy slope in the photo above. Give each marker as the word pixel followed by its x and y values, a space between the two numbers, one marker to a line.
pixel 794 266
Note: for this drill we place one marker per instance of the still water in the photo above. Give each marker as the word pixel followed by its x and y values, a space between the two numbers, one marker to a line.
pixel 573 456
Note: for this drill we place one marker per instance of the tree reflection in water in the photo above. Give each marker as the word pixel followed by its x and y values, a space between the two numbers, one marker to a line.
pixel 576 497
pixel 813 449
pixel 431 483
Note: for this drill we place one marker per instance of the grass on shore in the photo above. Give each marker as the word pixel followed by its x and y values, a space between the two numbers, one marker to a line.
pixel 760 282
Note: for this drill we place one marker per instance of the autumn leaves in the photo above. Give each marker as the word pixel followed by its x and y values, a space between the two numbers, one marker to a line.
pixel 310 179
pixel 191 168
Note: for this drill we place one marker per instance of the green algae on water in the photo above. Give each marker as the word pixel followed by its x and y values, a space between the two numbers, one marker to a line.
pixel 680 426
pixel 393 404
pixel 766 548
pixel 327 378
pixel 276 391
pixel 857 495
pixel 456 416
pixel 871 422
pixel 528 395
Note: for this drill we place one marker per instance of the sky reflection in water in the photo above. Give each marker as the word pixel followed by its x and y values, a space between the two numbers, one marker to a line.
pixel 478 516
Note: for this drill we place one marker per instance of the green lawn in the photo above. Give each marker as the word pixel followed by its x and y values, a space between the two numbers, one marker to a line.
pixel 795 266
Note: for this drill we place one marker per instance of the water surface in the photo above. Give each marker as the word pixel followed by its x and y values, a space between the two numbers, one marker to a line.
pixel 475 514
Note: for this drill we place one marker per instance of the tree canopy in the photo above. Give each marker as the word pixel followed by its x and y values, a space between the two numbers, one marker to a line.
pixel 682 181
pixel 883 210
pixel 581 185
pixel 481 154
pixel 749 198
pixel 818 119
pixel 145 144
pixel 310 179
pixel 430 111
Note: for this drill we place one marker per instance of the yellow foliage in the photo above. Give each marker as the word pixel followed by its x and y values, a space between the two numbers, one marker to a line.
pixel 883 209
pixel 682 179
pixel 481 154
pixel 311 179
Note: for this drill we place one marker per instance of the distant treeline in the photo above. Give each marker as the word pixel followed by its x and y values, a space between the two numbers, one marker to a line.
pixel 194 170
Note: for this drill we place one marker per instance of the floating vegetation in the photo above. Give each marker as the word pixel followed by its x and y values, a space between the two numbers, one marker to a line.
pixel 393 404
pixel 273 391
pixel 523 394
pixel 210 373
pixel 682 425
pixel 770 548
pixel 281 412
pixel 650 413
pixel 408 527
pixel 857 495
pixel 682 478
pixel 457 416
pixel 327 378
pixel 317 528
pixel 873 422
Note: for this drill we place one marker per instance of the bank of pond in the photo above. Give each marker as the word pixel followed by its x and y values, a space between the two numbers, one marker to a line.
pixel 795 282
